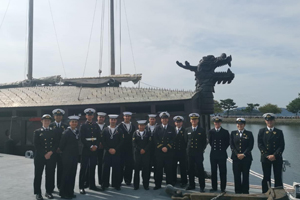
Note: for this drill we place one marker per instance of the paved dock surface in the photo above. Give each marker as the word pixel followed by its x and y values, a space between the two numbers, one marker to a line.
pixel 16 183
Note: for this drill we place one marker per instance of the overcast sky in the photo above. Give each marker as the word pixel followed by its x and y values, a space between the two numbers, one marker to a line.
pixel 263 38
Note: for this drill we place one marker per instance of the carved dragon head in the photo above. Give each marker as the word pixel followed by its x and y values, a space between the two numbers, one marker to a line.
pixel 209 63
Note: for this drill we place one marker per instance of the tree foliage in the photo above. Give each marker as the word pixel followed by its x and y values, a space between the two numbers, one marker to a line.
pixel 217 108
pixel 227 104
pixel 269 108
pixel 249 109
pixel 294 106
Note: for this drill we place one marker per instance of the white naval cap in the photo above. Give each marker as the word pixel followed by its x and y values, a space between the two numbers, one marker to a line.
pixel 89 111
pixel 74 117
pixel 127 113
pixel 194 116
pixel 240 120
pixel 46 116
pixel 101 114
pixel 152 115
pixel 141 122
pixel 217 119
pixel 113 116
pixel 58 111
pixel 164 114
pixel 269 116
pixel 178 118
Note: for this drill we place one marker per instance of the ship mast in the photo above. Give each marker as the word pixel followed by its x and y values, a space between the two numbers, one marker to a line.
pixel 112 39
pixel 30 39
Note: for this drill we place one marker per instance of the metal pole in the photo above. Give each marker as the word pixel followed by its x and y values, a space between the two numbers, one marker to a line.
pixel 112 39
pixel 30 39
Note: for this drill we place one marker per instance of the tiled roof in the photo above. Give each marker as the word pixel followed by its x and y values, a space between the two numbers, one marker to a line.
pixel 72 95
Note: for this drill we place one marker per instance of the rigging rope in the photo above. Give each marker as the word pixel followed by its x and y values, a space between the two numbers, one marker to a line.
pixel 129 37
pixel 62 62
pixel 87 54
pixel 4 14
pixel 101 37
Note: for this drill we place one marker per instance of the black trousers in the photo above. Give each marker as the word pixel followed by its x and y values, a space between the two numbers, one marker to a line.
pixel 241 168
pixel 39 163
pixel 221 163
pixel 69 174
pixel 277 170
pixel 114 162
pixel 142 162
pixel 127 165
pixel 196 159
pixel 163 163
pixel 59 169
pixel 180 156
pixel 100 163
pixel 87 170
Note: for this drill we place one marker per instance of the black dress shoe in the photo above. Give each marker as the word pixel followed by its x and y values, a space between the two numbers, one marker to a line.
pixel 74 196
pixel 66 197
pixel 135 188
pixel 202 190
pixel 128 183
pixel 146 188
pixel 95 189
pixel 212 190
pixel 156 187
pixel 39 197
pixel 182 185
pixel 223 191
pixel 49 195
pixel 190 187
pixel 82 191
pixel 118 188
pixel 103 188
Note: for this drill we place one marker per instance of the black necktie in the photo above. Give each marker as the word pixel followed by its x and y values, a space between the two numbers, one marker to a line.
pixel 271 130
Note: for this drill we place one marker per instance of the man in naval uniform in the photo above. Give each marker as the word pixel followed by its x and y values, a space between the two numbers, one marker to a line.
pixel 112 141
pixel 102 125
pixel 179 152
pixel 127 162
pixel 241 144
pixel 196 140
pixel 69 145
pixel 271 144
pixel 151 126
pixel 164 136
pixel 141 141
pixel 59 127
pixel 219 141
pixel 90 138
pixel 45 141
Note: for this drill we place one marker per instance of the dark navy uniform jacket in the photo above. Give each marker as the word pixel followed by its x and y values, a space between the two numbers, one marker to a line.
pixel 59 130
pixel 69 143
pixel 196 140
pixel 89 135
pixel 45 140
pixel 112 140
pixel 219 142
pixel 140 142
pixel 164 138
pixel 179 140
pixel 270 143
pixel 241 145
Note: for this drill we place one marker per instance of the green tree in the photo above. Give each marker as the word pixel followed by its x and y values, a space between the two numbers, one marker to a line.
pixel 227 104
pixel 249 109
pixel 294 106
pixel 217 107
pixel 269 108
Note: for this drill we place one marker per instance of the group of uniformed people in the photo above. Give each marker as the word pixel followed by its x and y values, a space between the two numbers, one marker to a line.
pixel 149 147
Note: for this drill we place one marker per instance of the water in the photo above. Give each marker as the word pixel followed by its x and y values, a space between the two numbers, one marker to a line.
pixel 291 153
